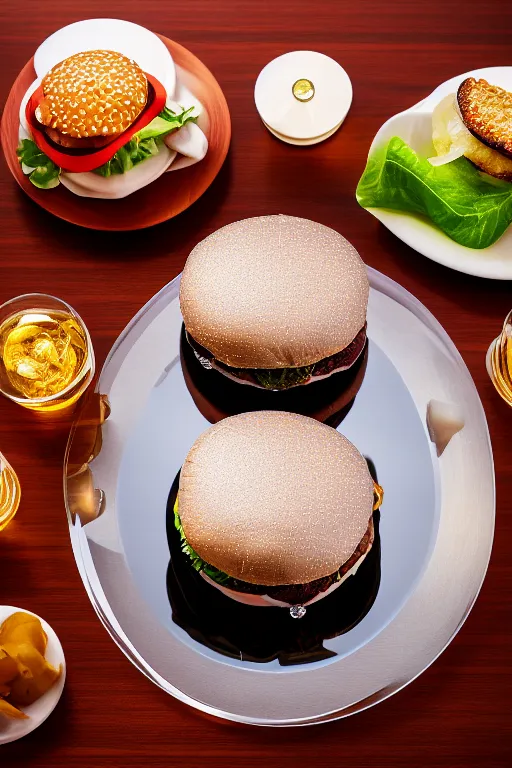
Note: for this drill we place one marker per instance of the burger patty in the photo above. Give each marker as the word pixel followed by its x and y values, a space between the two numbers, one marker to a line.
pixel 300 375
pixel 343 359
pixel 68 142
pixel 298 594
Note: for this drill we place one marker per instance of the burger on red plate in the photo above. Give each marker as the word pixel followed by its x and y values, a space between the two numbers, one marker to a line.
pixel 99 124
pixel 275 302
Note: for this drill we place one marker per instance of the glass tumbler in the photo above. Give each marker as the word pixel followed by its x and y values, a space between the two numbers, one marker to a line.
pixel 499 361
pixel 46 354
pixel 10 492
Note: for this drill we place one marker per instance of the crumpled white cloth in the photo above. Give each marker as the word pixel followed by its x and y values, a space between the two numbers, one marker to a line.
pixel 189 142
pixel 183 147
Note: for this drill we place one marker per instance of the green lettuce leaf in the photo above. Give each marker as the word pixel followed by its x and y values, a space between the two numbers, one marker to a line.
pixel 197 562
pixel 472 208
pixel 45 173
pixel 128 156
pixel 166 122
pixel 282 378
pixel 146 142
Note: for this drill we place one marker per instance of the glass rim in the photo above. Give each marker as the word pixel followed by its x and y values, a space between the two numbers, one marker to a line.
pixel 90 352
pixel 507 320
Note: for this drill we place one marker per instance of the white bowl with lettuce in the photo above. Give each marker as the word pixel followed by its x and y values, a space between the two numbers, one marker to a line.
pixel 172 140
pixel 447 209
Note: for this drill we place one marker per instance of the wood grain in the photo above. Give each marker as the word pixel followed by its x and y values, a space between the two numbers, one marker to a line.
pixel 456 715
pixel 155 203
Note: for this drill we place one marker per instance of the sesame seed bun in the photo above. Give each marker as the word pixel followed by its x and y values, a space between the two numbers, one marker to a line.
pixel 274 498
pixel 274 292
pixel 91 95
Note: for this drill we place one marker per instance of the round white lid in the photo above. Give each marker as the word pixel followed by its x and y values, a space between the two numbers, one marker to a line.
pixel 303 94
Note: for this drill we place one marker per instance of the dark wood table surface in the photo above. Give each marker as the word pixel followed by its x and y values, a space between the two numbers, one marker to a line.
pixel 457 714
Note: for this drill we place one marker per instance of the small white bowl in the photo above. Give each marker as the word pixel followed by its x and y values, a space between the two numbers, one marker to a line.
pixel 414 126
pixel 11 730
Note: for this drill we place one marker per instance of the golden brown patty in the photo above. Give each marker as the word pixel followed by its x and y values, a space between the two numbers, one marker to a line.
pixel 486 111
pixel 301 593
pixel 95 94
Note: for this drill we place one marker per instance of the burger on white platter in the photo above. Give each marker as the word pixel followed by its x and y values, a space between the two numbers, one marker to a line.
pixel 275 509
pixel 275 302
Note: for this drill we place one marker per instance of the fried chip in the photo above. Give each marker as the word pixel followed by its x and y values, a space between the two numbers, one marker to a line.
pixel 23 628
pixel 9 711
pixel 27 688
pixel 8 667
pixel 25 674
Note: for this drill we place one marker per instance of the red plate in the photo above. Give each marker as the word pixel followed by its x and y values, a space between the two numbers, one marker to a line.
pixel 157 202
pixel 80 163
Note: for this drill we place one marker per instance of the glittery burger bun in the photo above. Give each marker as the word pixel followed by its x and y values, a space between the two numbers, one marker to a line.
pixel 274 498
pixel 274 292
pixel 94 95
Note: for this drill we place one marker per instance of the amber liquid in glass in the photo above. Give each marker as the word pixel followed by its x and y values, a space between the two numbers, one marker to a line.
pixel 42 354
pixel 9 493
pixel 499 361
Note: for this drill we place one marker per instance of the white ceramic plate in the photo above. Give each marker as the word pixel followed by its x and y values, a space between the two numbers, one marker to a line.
pixel 124 37
pixel 415 127
pixel 11 730
pixel 436 525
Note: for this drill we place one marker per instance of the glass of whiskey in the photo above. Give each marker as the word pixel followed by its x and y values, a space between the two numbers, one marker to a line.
pixel 10 492
pixel 46 355
pixel 499 361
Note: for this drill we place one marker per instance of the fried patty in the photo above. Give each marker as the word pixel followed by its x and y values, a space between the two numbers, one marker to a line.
pixel 298 594
pixel 63 140
pixel 340 360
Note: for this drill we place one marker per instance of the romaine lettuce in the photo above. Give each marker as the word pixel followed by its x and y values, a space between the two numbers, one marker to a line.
pixel 472 208
pixel 129 155
pixel 283 378
pixel 42 172
pixel 143 144
pixel 146 142
pixel 197 562
pixel 166 122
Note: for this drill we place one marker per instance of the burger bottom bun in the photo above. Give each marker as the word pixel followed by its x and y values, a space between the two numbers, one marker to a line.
pixel 217 396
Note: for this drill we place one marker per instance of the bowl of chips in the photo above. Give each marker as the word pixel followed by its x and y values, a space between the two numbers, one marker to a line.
pixel 32 672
